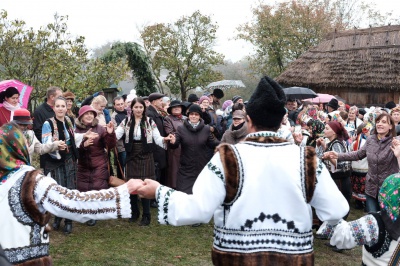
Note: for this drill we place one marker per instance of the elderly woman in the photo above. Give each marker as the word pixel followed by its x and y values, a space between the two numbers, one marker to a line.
pixel 171 124
pixel 238 130
pixel 9 98
pixel 140 137
pixel 25 215
pixel 70 97
pixel 382 162
pixel 61 164
pixel 93 163
pixel 195 140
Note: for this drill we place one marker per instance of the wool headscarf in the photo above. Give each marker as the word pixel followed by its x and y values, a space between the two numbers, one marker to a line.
pixel 389 198
pixel 13 150
pixel 341 132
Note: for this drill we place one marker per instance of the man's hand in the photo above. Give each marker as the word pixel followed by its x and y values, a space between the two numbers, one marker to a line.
pixel 148 191
pixel 133 185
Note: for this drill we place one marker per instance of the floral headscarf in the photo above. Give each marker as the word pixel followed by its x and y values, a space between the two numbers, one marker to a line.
pixel 389 198
pixel 13 150
pixel 317 128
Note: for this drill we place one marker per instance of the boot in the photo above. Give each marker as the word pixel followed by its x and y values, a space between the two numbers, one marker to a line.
pixel 134 217
pixel 67 227
pixel 56 224
pixel 91 223
pixel 145 220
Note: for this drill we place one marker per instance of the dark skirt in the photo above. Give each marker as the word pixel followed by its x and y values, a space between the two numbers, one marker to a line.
pixel 63 172
pixel 139 165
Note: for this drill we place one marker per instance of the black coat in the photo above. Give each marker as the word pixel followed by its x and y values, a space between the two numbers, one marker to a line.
pixel 41 114
pixel 159 154
pixel 195 143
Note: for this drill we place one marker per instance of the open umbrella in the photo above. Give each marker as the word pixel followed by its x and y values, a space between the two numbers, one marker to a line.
pixel 299 93
pixel 321 98
pixel 24 90
pixel 226 84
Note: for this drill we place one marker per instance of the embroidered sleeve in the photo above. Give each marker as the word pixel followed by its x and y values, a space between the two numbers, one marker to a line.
pixel 47 138
pixel 158 139
pixel 178 208
pixel 82 206
pixel 119 132
pixel 364 231
pixel 341 165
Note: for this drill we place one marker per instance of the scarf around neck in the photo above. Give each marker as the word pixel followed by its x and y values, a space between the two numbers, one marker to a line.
pixel 162 112
pixel 11 108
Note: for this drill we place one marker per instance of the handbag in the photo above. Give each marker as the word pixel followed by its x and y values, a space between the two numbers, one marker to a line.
pixel 114 181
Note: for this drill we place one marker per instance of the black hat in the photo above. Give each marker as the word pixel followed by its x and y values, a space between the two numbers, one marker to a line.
pixel 175 103
pixel 155 96
pixel 362 111
pixel 266 106
pixel 194 108
pixel 145 98
pixel 390 105
pixel 193 98
pixel 333 103
pixel 218 93
pixel 236 98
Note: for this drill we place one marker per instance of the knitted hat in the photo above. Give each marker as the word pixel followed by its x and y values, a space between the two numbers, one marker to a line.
pixel 226 104
pixel 194 108
pixel 22 116
pixel 155 96
pixel 390 105
pixel 193 98
pixel 202 98
pixel 218 93
pixel 176 103
pixel 266 106
pixel 236 98
pixel 69 95
pixel 85 109
pixel 334 104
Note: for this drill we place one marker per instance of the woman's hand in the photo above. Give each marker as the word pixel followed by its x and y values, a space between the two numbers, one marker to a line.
pixel 396 147
pixel 88 142
pixel 62 145
pixel 321 142
pixel 90 135
pixel 170 138
pixel 298 137
pixel 110 127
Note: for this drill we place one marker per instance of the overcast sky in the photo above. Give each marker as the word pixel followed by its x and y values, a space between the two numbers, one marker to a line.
pixel 120 19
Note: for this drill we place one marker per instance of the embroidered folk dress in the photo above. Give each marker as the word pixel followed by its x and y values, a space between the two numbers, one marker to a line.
pixel 269 217
pixel 26 199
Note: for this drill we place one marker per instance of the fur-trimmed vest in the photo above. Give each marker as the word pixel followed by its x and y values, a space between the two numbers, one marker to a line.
pixel 285 242
pixel 17 197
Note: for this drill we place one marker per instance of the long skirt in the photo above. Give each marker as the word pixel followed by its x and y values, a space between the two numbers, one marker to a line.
pixel 63 172
pixel 139 165
pixel 358 185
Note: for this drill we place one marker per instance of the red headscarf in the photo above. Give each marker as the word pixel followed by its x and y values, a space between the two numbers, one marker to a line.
pixel 341 132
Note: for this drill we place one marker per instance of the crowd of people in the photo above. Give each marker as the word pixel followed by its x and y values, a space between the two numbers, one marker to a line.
pixel 203 157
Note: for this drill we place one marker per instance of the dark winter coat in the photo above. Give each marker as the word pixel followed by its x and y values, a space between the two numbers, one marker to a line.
pixel 159 154
pixel 93 161
pixel 381 162
pixel 171 124
pixel 40 115
pixel 194 157
pixel 235 136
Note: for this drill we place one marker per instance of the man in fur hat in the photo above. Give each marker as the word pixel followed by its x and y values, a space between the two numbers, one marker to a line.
pixel 216 96
pixel 259 191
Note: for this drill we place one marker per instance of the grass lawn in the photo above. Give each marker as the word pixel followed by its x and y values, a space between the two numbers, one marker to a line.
pixel 118 242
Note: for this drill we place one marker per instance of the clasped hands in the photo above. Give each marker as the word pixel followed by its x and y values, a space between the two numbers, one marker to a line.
pixel 145 189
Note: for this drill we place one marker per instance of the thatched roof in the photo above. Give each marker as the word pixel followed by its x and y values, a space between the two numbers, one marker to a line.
pixel 353 59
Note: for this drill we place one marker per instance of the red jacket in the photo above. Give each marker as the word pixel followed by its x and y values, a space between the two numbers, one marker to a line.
pixel 5 116
pixel 93 161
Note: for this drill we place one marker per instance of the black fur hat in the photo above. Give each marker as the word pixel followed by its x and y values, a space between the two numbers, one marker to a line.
pixel 194 108
pixel 193 98
pixel 218 93
pixel 266 106
pixel 390 105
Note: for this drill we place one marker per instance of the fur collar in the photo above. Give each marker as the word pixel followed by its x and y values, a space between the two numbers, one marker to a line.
pixel 80 125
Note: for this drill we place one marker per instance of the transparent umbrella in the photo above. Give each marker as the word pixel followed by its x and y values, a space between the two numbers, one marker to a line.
pixel 226 84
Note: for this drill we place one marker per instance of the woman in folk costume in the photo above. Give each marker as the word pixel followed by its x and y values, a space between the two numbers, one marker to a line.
pixel 141 136
pixel 240 186
pixel 171 124
pixel 10 100
pixel 27 198
pixel 359 168
pixel 93 164
pixel 377 232
pixel 61 164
